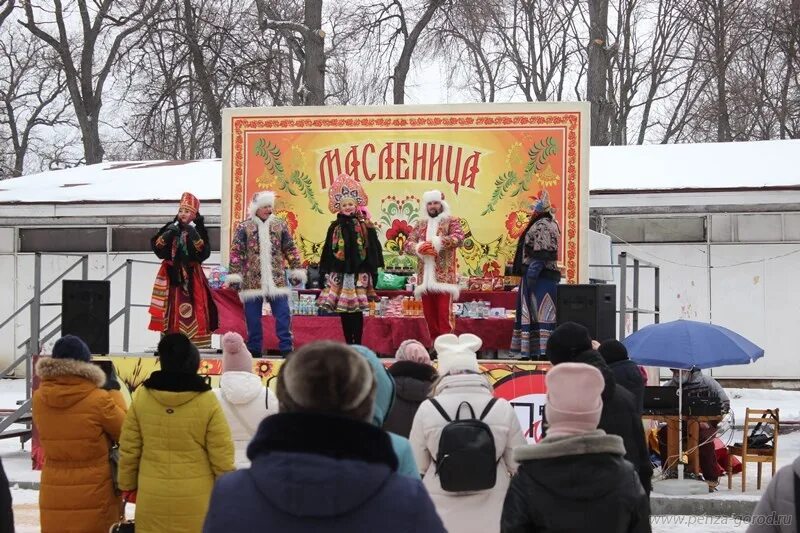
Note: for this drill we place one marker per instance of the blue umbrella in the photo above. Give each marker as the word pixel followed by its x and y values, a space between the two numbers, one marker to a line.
pixel 686 344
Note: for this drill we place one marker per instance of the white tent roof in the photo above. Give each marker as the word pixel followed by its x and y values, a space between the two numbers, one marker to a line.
pixel 647 167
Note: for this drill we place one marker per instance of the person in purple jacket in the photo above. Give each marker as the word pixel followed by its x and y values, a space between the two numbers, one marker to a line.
pixel 319 465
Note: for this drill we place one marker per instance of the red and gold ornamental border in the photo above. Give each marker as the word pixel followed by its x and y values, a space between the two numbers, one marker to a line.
pixel 573 118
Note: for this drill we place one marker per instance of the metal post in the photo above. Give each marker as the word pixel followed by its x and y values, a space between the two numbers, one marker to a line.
pixel 635 295
pixel 623 293
pixel 84 267
pixel 657 308
pixel 126 334
pixel 33 346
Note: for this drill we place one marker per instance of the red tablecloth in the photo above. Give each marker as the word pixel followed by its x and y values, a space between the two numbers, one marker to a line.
pixel 382 334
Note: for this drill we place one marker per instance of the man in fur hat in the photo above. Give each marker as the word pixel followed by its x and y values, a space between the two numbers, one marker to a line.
pixel 434 240
pixel 261 247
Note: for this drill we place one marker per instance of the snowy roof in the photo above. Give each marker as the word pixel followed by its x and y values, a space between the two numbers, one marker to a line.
pixel 118 181
pixel 695 166
pixel 612 168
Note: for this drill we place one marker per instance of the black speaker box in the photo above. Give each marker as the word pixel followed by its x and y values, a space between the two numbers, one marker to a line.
pixel 593 306
pixel 85 312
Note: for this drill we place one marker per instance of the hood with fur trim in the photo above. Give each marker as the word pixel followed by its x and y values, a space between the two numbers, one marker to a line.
pixel 65 382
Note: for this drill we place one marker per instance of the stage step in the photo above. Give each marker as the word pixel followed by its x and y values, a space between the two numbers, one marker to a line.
pixel 23 434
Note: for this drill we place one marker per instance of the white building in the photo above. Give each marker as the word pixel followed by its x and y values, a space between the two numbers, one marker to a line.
pixel 721 220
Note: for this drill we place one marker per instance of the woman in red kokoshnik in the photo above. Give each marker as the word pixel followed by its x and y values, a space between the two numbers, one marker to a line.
pixel 182 301
pixel 351 257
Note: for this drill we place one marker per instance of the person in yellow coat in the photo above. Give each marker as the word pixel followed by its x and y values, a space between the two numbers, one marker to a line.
pixel 78 413
pixel 175 443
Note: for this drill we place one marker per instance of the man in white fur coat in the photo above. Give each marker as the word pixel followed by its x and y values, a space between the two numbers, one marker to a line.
pixel 434 240
pixel 261 247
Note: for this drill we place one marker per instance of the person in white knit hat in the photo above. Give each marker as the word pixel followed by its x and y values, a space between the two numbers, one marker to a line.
pixel 434 240
pixel 261 247
pixel 243 398
pixel 461 382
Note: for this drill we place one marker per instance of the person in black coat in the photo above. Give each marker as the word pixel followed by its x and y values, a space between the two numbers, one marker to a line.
pixel 413 375
pixel 6 511
pixel 571 342
pixel 625 371
pixel 575 479
pixel 320 465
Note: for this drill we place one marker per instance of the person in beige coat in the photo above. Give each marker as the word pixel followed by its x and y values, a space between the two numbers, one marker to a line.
pixel 460 381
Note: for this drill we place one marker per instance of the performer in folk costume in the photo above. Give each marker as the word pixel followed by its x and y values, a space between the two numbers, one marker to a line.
pixel 535 262
pixel 435 239
pixel 261 247
pixel 351 257
pixel 181 301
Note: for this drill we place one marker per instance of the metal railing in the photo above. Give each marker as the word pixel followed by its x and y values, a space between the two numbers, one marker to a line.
pixel 623 264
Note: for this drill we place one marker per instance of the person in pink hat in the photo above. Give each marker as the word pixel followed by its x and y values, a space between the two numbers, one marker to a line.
pixel 244 399
pixel 576 478
pixel 413 375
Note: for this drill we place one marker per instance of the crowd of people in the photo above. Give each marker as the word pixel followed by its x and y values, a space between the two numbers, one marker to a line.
pixel 345 444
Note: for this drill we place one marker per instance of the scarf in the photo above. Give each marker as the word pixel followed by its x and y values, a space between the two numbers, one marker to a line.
pixel 347 227
pixel 519 267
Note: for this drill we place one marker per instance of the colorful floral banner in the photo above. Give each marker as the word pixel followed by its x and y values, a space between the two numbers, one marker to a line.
pixel 489 160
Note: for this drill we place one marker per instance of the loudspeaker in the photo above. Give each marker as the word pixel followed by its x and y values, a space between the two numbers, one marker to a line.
pixel 593 306
pixel 85 312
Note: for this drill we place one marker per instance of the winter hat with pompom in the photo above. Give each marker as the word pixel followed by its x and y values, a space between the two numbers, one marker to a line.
pixel 235 356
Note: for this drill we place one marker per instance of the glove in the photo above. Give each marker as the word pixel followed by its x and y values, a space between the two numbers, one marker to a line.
pixel 129 496
pixel 428 249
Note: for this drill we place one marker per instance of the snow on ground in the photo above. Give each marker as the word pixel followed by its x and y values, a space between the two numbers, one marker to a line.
pixel 787 401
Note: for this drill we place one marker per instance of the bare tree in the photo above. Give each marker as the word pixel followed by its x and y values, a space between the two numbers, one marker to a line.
pixel 86 59
pixel 385 35
pixel 32 87
pixel 309 47
pixel 597 75
pixel 6 7
pixel 540 42
pixel 471 49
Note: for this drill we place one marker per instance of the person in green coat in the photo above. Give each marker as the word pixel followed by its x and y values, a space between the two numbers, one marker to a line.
pixel 175 443
pixel 384 398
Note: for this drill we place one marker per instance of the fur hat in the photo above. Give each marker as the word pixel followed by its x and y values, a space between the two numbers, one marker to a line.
pixel 343 188
pixel 327 377
pixel 573 399
pixel 190 202
pixel 413 350
pixel 71 347
pixel 457 353
pixel 434 196
pixel 612 351
pixel 567 341
pixel 235 356
pixel 177 354
pixel 261 199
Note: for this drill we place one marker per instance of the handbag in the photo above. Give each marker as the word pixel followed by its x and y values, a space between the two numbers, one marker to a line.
pixel 124 525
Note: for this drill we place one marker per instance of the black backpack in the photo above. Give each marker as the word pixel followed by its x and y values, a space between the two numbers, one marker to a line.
pixel 466 460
